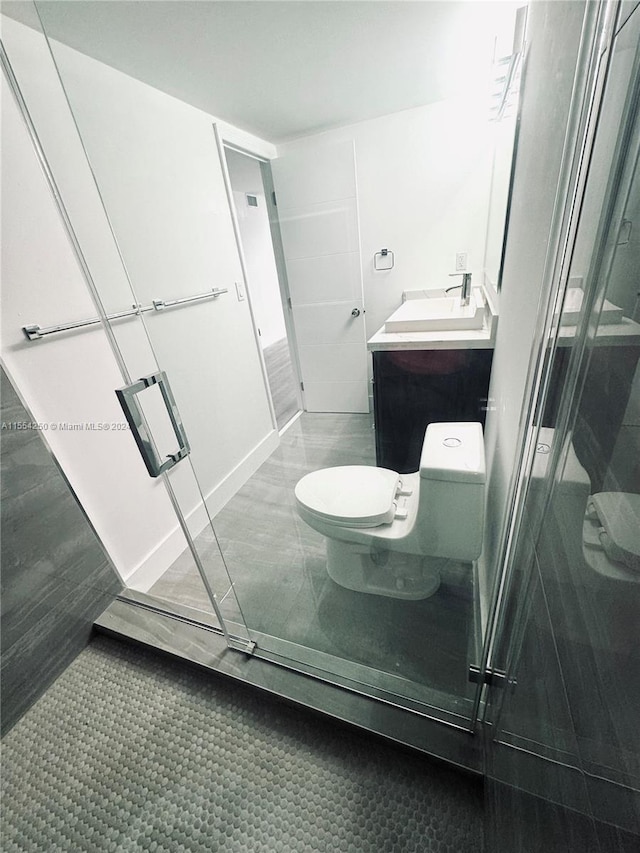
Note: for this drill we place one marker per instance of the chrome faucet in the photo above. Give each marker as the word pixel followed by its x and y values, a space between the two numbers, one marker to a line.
pixel 465 296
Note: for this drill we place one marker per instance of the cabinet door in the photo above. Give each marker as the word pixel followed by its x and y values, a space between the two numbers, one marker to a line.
pixel 413 388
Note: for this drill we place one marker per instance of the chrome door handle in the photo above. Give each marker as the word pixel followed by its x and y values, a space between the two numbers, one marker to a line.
pixel 355 312
pixel 133 413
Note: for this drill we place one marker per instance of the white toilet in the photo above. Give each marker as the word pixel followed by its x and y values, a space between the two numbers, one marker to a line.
pixel 601 529
pixel 390 534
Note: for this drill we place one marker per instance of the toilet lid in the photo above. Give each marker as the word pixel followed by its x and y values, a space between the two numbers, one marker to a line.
pixel 353 494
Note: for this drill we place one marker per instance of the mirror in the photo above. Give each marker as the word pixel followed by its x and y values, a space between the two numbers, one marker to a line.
pixel 505 116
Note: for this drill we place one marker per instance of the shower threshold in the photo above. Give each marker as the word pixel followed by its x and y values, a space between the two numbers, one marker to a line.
pixel 305 683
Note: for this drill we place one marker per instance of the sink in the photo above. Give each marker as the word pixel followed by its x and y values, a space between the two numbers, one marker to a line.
pixel 439 314
pixel 572 309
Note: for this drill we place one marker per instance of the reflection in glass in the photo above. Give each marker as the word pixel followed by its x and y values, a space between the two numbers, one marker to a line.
pixel 572 636
pixel 505 116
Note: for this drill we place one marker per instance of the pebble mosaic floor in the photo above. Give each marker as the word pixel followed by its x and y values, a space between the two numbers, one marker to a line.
pixel 133 751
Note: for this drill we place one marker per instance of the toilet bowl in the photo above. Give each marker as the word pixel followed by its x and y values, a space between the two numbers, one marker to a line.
pixel 589 555
pixel 390 534
pixel 599 531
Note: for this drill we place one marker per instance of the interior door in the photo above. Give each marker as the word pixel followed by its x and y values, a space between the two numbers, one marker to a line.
pixel 318 214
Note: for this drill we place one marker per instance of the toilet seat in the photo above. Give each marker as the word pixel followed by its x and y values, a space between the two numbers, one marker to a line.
pixel 350 496
pixel 615 530
pixel 389 534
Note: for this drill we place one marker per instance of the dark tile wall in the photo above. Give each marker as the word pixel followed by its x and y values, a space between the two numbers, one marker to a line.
pixel 56 578
pixel 527 824
pixel 522 823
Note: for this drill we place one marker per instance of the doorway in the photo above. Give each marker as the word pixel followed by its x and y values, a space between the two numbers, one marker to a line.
pixel 250 203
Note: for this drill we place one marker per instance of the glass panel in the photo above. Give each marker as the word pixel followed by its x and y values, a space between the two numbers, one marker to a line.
pixel 596 500
pixel 147 525
pixel 409 628
pixel 581 523
pixel 413 648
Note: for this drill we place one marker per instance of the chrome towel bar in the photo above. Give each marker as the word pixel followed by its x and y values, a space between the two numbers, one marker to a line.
pixel 34 332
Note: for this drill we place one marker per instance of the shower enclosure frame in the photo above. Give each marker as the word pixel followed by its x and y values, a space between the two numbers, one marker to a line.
pixel 592 69
pixel 584 767
pixel 237 635
pixel 588 89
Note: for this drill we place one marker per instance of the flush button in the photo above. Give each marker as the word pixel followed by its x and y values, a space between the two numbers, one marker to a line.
pixel 452 442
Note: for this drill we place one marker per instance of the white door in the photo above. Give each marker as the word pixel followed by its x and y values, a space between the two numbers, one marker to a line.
pixel 318 213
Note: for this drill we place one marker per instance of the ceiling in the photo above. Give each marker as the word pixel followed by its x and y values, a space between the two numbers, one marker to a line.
pixel 286 68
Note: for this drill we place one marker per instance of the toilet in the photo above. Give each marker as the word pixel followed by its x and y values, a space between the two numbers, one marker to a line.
pixel 600 531
pixel 591 559
pixel 390 534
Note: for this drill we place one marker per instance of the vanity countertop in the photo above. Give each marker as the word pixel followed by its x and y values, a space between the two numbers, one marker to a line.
pixel 483 338
pixel 459 339
pixel 624 333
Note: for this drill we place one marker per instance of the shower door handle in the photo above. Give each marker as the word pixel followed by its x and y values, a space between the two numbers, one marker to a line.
pixel 138 424
pixel 355 312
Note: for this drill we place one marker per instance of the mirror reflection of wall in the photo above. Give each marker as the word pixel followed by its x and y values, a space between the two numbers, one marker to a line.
pixel 623 290
pixel 503 155
pixel 609 417
pixel 504 114
pixel 608 424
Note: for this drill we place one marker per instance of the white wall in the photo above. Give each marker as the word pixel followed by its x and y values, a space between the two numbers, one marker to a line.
pixel 553 33
pixel 70 379
pixel 262 274
pixel 423 180
pixel 158 170
pixel 157 167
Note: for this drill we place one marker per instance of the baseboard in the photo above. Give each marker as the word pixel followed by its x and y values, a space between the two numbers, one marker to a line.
pixel 220 496
pixel 157 561
pixel 169 549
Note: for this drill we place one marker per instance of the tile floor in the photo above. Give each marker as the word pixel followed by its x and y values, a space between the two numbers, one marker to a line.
pixel 278 568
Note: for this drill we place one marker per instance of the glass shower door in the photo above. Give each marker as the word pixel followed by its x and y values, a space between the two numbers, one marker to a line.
pixel 157 164
pixel 568 634
pixel 143 496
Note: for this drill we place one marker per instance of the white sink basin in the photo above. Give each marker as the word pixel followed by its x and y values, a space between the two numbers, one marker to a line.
pixel 439 314
pixel 572 309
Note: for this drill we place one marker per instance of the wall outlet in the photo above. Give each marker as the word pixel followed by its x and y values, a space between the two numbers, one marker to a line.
pixel 461 261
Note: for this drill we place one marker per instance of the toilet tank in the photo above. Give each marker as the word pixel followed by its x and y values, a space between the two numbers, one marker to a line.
pixel 571 491
pixel 452 491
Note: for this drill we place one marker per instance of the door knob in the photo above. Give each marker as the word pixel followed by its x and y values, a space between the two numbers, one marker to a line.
pixel 355 312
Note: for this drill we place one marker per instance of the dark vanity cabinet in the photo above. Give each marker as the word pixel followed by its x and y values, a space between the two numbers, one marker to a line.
pixel 599 435
pixel 413 388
